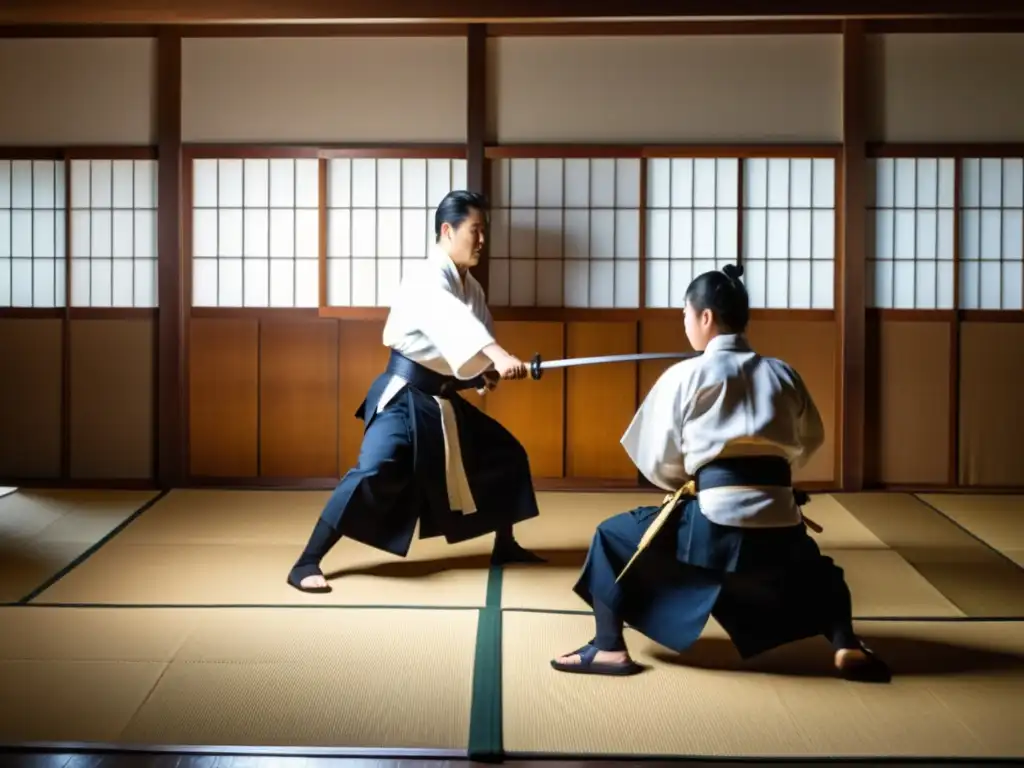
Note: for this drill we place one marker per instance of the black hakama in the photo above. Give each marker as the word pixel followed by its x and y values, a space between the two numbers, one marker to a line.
pixel 765 586
pixel 400 477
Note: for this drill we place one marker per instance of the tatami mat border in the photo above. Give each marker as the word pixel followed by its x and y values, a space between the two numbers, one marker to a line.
pixel 969 532
pixel 93 549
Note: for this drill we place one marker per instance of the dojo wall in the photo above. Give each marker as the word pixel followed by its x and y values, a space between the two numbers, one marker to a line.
pixel 296 380
pixel 270 391
pixel 943 397
pixel 77 394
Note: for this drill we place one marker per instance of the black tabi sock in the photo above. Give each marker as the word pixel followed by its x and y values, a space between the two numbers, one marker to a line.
pixel 843 637
pixel 320 542
pixel 504 537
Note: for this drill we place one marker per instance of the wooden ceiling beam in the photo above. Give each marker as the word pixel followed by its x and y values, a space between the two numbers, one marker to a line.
pixel 471 11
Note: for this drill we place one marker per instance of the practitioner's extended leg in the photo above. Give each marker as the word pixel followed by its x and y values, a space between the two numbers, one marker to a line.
pixel 380 477
pixel 605 654
pixel 854 660
pixel 614 542
pixel 306 575
pixel 805 595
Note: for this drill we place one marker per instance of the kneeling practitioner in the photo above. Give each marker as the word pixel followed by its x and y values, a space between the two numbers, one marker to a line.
pixel 428 455
pixel 723 432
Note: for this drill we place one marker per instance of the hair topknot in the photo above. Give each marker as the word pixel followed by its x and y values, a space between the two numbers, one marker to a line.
pixel 722 292
pixel 733 271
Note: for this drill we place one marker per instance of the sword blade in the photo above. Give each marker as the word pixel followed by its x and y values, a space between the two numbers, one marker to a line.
pixel 538 365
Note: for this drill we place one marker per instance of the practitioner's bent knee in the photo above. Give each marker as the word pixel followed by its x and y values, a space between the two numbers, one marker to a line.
pixel 606 528
pixel 623 526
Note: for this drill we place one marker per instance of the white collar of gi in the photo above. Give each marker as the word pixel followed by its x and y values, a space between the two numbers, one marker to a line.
pixel 728 342
pixel 441 258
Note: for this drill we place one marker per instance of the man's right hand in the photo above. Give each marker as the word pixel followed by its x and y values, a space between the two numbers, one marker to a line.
pixel 508 366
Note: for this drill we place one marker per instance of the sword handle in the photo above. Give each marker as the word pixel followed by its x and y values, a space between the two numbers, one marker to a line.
pixel 535 369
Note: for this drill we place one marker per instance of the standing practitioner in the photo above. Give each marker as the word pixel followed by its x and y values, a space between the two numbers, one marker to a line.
pixel 428 455
pixel 734 545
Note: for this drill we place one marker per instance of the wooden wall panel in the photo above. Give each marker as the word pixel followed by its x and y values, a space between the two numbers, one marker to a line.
pixel 811 347
pixel 601 401
pixel 362 357
pixel 223 397
pixel 991 407
pixel 113 412
pixel 908 401
pixel 534 411
pixel 298 398
pixel 660 336
pixel 30 398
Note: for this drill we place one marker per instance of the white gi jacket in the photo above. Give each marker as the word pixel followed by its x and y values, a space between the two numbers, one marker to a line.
pixel 442 324
pixel 728 402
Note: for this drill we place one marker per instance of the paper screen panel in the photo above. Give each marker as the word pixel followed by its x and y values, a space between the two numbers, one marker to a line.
pixel 380 219
pixel 789 232
pixel 256 232
pixel 565 232
pixel 910 233
pixel 32 233
pixel 113 233
pixel 991 233
pixel 692 223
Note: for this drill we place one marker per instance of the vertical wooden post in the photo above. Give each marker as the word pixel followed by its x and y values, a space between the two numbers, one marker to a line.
pixel 65 334
pixel 170 381
pixel 853 300
pixel 476 123
pixel 954 332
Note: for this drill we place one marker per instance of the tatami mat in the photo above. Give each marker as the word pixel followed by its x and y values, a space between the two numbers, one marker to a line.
pixel 212 547
pixel 957 693
pixel 882 583
pixel 264 677
pixel 979 581
pixel 996 520
pixel 236 547
pixel 42 531
pixel 346 677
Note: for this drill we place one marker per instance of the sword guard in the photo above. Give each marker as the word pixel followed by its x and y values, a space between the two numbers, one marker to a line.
pixel 535 369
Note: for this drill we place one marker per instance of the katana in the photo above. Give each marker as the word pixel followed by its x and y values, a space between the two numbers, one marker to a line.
pixel 538 366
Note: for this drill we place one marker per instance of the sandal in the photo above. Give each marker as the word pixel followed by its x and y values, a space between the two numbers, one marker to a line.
pixel 300 572
pixel 587 666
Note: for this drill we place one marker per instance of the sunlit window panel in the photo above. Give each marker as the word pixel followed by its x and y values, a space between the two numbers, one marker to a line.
pixel 789 232
pixel 565 232
pixel 991 233
pixel 256 232
pixel 32 234
pixel 380 220
pixel 692 223
pixel 113 233
pixel 910 233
